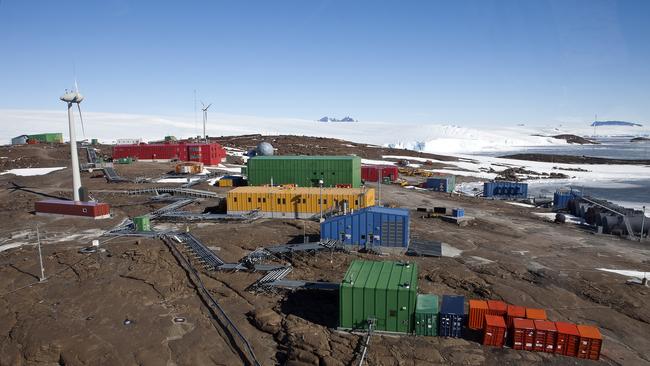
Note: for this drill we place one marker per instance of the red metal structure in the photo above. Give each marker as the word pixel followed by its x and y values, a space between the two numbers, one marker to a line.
pixel 95 210
pixel 370 173
pixel 494 331
pixel 208 153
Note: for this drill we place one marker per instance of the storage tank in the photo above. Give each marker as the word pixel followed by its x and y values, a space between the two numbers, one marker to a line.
pixel 264 149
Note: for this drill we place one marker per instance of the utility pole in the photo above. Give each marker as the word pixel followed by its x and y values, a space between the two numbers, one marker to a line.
pixel 320 198
pixel 379 190
pixel 40 255
pixel 642 224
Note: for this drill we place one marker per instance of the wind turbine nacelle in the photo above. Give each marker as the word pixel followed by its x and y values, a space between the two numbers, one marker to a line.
pixel 72 97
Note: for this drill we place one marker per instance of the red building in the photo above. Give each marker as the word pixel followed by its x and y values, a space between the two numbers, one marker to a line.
pixel 95 210
pixel 208 154
pixel 371 173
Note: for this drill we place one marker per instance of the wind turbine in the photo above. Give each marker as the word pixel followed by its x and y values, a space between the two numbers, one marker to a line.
pixel 205 118
pixel 74 97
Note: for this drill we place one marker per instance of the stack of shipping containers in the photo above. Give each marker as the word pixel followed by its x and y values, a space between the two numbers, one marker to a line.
pixel 305 171
pixel 291 202
pixel 382 292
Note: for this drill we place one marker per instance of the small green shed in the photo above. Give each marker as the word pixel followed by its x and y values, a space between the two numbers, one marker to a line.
pixel 382 291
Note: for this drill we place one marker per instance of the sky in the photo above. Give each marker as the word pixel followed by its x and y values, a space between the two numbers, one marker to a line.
pixel 477 63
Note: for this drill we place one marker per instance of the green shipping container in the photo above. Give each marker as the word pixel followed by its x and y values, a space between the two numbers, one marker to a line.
pixel 383 291
pixel 305 171
pixel 142 223
pixel 426 315
pixel 94 142
pixel 48 137
pixel 124 161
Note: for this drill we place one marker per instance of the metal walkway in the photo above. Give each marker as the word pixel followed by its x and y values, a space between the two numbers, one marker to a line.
pixel 176 191
pixel 194 216
pixel 207 257
pixel 264 284
pixel 112 176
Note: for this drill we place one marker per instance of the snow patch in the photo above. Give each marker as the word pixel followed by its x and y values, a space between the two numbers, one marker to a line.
pixel 30 172
pixel 628 273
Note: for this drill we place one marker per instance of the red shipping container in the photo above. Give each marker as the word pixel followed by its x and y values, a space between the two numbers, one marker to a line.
pixel 496 307
pixel 523 334
pixel 568 339
pixel 545 336
pixel 96 210
pixel 513 312
pixel 494 332
pixel 536 314
pixel 591 342
pixel 477 311
pixel 370 173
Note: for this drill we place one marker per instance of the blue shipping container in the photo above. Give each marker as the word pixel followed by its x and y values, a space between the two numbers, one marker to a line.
pixel 457 212
pixel 499 189
pixel 452 316
pixel 369 227
pixel 441 184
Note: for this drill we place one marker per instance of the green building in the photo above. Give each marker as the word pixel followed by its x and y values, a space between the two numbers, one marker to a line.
pixel 426 315
pixel 47 137
pixel 304 170
pixel 142 223
pixel 383 291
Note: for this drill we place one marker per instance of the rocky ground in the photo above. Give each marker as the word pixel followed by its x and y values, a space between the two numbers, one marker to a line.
pixel 132 303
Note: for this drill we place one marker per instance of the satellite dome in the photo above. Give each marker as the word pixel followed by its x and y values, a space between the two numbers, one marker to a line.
pixel 264 149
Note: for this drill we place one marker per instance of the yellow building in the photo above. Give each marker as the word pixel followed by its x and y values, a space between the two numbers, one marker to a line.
pixel 296 202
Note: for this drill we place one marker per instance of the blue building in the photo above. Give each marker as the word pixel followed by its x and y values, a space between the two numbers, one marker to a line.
pixel 505 190
pixel 371 227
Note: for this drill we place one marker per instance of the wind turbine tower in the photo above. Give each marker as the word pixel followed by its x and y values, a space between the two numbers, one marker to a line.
pixel 205 118
pixel 74 97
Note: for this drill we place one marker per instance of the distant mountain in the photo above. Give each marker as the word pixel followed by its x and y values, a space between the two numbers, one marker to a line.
pixel 615 123
pixel 344 119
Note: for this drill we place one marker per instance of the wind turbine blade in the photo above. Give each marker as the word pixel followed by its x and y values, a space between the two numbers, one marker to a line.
pixel 206 108
pixel 76 87
pixel 83 129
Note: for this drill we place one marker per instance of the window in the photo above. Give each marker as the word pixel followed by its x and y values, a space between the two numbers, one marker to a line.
pixel 363 236
pixel 304 200
pixel 284 201
pixel 259 200
pixel 333 173
pixel 325 201
pixel 234 199
pixel 250 200
pixel 264 199
pixel 279 201
pixel 356 202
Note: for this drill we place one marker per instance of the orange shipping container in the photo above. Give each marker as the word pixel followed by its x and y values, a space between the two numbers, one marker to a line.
pixel 523 334
pixel 590 342
pixel 496 307
pixel 545 336
pixel 513 312
pixel 477 311
pixel 536 314
pixel 494 332
pixel 568 339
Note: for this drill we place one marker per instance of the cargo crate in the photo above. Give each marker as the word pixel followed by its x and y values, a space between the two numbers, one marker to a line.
pixel 536 314
pixel 513 312
pixel 496 307
pixel 494 331
pixel 545 336
pixel 452 316
pixel 426 315
pixel 568 339
pixel 591 342
pixel 523 334
pixel 477 311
